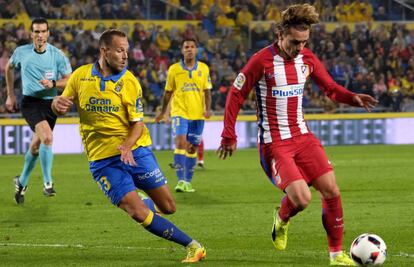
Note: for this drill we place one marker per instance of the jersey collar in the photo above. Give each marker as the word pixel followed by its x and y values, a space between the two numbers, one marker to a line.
pixel 185 66
pixel 113 78
pixel 187 69
pixel 40 53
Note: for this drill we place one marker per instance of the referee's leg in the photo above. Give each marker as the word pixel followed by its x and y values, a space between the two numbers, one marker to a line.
pixel 45 134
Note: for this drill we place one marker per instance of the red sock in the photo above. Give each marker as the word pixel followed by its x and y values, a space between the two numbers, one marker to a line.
pixel 201 151
pixel 287 209
pixel 332 219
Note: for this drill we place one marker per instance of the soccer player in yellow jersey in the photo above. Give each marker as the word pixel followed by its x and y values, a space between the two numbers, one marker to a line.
pixel 116 140
pixel 189 86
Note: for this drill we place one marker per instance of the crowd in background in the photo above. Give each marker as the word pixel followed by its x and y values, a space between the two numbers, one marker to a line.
pixel 376 60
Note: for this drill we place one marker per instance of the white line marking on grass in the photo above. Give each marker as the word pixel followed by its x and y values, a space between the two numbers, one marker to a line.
pixel 403 254
pixel 42 245
pixel 303 252
pixel 77 246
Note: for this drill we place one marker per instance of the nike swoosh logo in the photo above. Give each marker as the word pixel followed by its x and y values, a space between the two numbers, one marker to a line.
pixel 338 219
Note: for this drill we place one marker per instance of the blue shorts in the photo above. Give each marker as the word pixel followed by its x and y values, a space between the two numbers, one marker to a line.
pixel 192 129
pixel 116 179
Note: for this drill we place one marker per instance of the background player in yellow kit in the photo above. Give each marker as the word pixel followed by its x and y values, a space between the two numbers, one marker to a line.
pixel 189 86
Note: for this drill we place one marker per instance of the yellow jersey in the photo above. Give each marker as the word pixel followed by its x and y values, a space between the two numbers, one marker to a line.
pixel 188 86
pixel 106 106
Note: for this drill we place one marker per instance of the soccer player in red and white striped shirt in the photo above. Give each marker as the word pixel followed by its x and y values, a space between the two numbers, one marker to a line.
pixel 291 156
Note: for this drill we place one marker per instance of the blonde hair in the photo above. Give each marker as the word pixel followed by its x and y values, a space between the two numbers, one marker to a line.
pixel 300 17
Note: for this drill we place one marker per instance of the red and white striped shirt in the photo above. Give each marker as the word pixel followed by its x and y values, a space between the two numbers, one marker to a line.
pixel 279 84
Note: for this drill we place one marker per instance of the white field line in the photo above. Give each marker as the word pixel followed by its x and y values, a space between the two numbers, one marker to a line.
pixel 76 246
pixel 400 254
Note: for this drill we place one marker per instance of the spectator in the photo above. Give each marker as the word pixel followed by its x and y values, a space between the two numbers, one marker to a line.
pixel 163 42
pixel 125 11
pixel 272 12
pixel 341 11
pixel 244 18
pixel 381 14
pixel 107 12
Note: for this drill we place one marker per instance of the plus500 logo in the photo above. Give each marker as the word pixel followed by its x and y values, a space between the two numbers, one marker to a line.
pixel 287 91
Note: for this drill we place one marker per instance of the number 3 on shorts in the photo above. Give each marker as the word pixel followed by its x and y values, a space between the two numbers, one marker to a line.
pixel 105 185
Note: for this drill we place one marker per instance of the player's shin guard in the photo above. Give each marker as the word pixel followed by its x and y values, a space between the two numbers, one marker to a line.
pixel 29 164
pixel 190 162
pixel 287 209
pixel 165 229
pixel 179 163
pixel 46 161
pixel 332 219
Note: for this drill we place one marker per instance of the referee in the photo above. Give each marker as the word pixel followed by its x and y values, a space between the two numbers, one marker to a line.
pixel 44 68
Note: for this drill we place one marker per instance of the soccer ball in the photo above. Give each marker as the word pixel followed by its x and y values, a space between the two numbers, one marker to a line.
pixel 368 250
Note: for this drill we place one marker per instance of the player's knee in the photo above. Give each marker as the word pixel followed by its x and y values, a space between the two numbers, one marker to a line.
pixel 303 201
pixel 48 139
pixel 331 192
pixel 168 207
pixel 34 149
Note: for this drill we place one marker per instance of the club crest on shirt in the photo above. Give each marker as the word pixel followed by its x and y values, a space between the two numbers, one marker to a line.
pixel 304 68
pixel 118 86
pixel 240 80
pixel 199 73
pixel 139 106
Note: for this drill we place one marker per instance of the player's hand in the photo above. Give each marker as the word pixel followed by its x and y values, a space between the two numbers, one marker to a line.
pixel 226 150
pixel 62 104
pixel 167 119
pixel 159 118
pixel 47 84
pixel 365 101
pixel 11 103
pixel 207 114
pixel 126 156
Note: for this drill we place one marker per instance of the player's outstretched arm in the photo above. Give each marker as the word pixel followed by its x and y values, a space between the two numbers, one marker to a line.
pixel 165 104
pixel 365 101
pixel 62 104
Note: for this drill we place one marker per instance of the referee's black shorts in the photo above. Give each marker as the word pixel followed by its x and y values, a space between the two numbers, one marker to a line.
pixel 35 110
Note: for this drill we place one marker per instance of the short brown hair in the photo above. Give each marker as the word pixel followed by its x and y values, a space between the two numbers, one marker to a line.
pixel 300 17
pixel 39 21
pixel 106 37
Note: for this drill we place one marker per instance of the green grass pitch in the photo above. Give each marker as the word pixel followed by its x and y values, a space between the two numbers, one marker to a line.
pixel 231 214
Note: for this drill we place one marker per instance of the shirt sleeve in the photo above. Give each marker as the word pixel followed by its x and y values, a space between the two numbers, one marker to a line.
pixel 239 91
pixel 132 100
pixel 333 90
pixel 72 85
pixel 207 84
pixel 64 67
pixel 15 58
